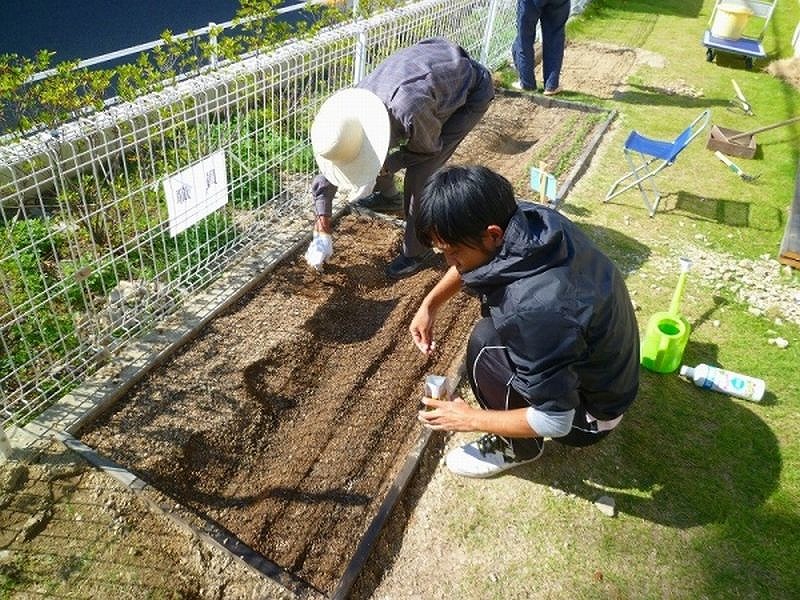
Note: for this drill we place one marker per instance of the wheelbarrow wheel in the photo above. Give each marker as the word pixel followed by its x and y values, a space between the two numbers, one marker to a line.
pixel 709 55
pixel 748 62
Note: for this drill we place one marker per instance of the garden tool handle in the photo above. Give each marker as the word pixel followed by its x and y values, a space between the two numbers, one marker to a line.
pixel 738 91
pixel 760 129
pixel 731 165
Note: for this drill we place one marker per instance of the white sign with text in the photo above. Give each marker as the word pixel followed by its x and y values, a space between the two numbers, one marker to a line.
pixel 196 192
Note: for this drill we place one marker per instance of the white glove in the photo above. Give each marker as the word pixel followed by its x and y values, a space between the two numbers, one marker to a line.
pixel 319 250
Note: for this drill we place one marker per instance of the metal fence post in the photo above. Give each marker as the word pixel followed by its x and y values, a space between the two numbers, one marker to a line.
pixel 360 62
pixel 487 37
pixel 5 447
pixel 212 40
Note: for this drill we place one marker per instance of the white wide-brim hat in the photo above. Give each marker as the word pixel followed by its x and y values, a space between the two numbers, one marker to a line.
pixel 350 138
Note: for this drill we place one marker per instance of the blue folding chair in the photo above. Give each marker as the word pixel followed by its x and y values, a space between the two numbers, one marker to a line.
pixel 656 155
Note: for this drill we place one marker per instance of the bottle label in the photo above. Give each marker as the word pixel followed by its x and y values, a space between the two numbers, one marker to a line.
pixel 728 382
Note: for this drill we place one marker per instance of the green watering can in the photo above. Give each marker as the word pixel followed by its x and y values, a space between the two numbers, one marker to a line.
pixel 667 332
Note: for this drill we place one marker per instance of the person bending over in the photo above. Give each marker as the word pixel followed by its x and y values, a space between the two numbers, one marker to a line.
pixel 410 113
pixel 555 353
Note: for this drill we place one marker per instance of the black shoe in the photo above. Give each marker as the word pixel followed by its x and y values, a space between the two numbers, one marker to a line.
pixel 403 265
pixel 378 202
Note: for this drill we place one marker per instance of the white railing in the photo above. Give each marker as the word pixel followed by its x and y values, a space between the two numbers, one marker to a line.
pixel 92 254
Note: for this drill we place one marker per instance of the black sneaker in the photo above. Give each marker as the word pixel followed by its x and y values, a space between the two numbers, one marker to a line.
pixel 378 202
pixel 489 455
pixel 403 265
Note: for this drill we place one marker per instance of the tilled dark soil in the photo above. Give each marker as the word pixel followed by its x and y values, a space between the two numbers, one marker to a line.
pixel 287 418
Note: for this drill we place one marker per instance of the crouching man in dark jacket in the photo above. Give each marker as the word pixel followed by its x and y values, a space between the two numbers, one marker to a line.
pixel 556 353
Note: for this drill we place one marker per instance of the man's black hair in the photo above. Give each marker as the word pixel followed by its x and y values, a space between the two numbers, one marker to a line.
pixel 460 202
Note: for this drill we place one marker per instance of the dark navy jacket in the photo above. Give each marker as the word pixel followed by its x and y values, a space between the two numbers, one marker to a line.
pixel 562 308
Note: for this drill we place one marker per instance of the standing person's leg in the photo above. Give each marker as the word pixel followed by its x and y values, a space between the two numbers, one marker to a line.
pixel 522 51
pixel 385 196
pixel 454 130
pixel 385 185
pixel 413 184
pixel 554 20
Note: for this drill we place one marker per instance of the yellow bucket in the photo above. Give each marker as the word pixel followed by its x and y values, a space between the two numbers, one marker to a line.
pixel 730 21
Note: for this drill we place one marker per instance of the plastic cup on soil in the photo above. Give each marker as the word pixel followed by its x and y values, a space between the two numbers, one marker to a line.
pixel 435 387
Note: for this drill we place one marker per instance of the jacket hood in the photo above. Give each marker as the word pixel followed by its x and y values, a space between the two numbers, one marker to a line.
pixel 533 242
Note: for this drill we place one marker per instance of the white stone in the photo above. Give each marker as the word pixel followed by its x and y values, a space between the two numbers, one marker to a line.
pixel 781 342
pixel 606 505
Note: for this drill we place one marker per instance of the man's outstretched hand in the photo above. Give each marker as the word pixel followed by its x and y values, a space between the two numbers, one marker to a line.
pixel 421 330
pixel 446 415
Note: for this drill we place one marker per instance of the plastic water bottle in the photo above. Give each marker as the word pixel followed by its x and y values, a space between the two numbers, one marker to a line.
pixel 726 382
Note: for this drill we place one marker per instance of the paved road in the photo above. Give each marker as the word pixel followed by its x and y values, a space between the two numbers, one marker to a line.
pixel 86 28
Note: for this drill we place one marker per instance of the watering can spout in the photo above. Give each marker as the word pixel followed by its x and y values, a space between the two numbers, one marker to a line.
pixel 685 265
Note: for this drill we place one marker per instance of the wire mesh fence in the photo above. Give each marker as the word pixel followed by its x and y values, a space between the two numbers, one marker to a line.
pixel 110 223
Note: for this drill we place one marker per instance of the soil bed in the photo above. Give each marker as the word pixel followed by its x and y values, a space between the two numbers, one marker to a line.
pixel 286 419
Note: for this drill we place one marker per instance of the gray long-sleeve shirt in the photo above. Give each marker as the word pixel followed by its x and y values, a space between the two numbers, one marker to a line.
pixel 421 87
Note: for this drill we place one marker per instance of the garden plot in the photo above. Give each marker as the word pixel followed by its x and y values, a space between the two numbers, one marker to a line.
pixel 285 421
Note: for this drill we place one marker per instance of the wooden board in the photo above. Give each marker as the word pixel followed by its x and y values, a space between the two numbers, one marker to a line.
pixel 790 246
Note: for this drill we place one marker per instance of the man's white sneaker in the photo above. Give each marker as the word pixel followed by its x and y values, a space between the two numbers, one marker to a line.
pixel 488 455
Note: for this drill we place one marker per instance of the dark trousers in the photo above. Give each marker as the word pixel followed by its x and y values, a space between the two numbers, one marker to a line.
pixel 552 15
pixel 454 130
pixel 490 373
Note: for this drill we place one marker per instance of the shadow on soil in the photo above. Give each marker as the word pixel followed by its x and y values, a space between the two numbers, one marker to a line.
pixel 656 96
pixel 388 543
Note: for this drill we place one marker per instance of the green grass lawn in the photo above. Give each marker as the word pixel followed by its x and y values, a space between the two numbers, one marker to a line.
pixel 707 487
